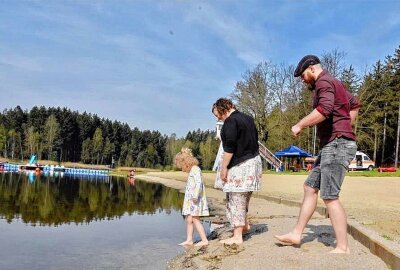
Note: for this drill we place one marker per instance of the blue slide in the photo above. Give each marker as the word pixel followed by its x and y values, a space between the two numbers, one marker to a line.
pixel 33 160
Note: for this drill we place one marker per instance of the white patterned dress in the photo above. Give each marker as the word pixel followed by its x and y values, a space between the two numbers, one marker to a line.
pixel 244 177
pixel 195 201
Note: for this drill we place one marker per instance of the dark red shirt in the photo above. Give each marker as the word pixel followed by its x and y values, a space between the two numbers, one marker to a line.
pixel 335 102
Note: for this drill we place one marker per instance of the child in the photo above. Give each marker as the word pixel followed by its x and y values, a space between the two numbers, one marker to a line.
pixel 195 202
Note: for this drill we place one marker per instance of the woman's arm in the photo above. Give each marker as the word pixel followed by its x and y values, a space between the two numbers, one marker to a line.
pixel 226 158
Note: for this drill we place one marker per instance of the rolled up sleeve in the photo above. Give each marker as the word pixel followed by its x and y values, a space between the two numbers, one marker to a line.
pixel 354 102
pixel 326 99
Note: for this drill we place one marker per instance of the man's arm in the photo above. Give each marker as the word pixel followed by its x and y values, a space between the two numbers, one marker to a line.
pixel 354 106
pixel 353 115
pixel 312 119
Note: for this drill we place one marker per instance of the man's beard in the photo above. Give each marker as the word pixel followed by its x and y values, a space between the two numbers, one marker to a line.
pixel 310 83
pixel 310 86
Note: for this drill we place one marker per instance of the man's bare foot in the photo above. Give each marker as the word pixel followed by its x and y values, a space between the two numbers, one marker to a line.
pixel 289 238
pixel 231 241
pixel 201 243
pixel 340 251
pixel 186 243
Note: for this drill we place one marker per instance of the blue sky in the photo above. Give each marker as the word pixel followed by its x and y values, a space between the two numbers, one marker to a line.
pixel 159 65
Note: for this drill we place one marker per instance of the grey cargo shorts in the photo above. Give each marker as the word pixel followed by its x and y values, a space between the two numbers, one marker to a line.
pixel 331 166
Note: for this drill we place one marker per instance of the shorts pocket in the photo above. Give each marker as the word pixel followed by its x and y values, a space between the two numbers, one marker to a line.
pixel 350 150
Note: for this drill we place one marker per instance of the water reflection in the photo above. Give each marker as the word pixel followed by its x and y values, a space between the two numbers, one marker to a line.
pixel 54 200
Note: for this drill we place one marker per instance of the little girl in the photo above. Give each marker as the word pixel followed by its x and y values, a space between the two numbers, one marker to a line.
pixel 195 202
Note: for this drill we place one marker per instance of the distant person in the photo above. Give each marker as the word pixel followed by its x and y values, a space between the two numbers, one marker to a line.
pixel 195 201
pixel 241 167
pixel 219 184
pixel 335 109
pixel 132 173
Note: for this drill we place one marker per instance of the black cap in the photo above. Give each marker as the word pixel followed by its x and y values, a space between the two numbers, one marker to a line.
pixel 304 63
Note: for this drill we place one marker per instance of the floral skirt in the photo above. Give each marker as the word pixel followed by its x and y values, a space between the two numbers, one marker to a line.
pixel 243 177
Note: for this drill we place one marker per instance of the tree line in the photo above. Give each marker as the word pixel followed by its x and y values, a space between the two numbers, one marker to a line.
pixel 268 92
pixel 63 135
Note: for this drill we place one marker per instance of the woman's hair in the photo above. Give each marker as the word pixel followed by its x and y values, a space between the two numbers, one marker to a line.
pixel 223 105
pixel 185 160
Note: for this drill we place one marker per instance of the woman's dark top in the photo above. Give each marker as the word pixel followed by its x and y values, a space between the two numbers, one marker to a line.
pixel 239 136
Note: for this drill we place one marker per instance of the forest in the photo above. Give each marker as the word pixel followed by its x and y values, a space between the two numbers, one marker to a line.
pixel 268 92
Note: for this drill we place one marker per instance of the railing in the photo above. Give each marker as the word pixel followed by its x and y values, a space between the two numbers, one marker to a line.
pixel 269 156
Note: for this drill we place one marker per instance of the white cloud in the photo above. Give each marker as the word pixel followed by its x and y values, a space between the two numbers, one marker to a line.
pixel 236 35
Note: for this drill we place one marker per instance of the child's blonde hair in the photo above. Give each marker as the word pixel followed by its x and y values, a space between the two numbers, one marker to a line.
pixel 185 160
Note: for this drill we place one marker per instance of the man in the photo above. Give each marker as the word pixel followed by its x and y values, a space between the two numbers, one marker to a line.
pixel 335 109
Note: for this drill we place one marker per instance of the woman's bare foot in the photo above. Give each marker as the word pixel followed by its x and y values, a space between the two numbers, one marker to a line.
pixel 201 243
pixel 186 243
pixel 232 240
pixel 246 229
pixel 340 251
pixel 289 238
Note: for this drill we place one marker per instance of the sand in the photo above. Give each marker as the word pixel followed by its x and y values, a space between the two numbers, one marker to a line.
pixel 261 251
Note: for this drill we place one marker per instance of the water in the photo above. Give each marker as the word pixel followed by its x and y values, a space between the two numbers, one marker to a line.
pixel 54 222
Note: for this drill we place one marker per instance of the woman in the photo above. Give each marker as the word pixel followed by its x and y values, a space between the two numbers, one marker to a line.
pixel 241 168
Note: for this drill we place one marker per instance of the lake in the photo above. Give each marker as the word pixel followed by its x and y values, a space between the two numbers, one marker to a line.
pixel 60 222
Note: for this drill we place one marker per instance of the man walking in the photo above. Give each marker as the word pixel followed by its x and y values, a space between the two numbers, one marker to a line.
pixel 335 109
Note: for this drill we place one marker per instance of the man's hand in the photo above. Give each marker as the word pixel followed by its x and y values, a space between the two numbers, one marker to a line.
pixel 296 129
pixel 224 174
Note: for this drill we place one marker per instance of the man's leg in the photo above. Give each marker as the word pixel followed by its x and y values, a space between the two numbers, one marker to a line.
pixel 335 159
pixel 306 211
pixel 338 218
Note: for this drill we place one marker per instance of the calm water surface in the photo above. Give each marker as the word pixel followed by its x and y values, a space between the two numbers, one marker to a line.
pixel 59 222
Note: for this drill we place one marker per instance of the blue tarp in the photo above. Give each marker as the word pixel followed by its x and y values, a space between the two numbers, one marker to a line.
pixel 292 151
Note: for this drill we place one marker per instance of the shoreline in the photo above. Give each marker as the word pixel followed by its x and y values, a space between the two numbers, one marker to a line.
pixel 268 216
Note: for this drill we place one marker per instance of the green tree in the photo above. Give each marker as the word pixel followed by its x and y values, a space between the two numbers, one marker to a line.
pixel 12 137
pixel 51 134
pixel 107 151
pixel 97 145
pixel 87 149
pixel 32 141
pixel 3 140
pixel 208 151
pixel 253 95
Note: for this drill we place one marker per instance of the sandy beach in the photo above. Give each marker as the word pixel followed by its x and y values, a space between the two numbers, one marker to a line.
pixel 367 200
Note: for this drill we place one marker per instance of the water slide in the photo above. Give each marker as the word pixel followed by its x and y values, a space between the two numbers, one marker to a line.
pixel 33 160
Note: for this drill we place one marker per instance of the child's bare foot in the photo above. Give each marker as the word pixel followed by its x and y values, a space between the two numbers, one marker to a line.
pixel 289 238
pixel 232 240
pixel 340 251
pixel 186 243
pixel 201 243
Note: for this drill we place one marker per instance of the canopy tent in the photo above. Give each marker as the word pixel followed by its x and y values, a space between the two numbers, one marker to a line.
pixel 292 151
pixel 292 155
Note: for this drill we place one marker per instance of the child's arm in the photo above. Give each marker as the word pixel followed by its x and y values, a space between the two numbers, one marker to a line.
pixel 198 185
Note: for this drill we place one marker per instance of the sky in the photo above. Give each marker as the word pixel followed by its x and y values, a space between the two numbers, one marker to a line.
pixel 160 65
